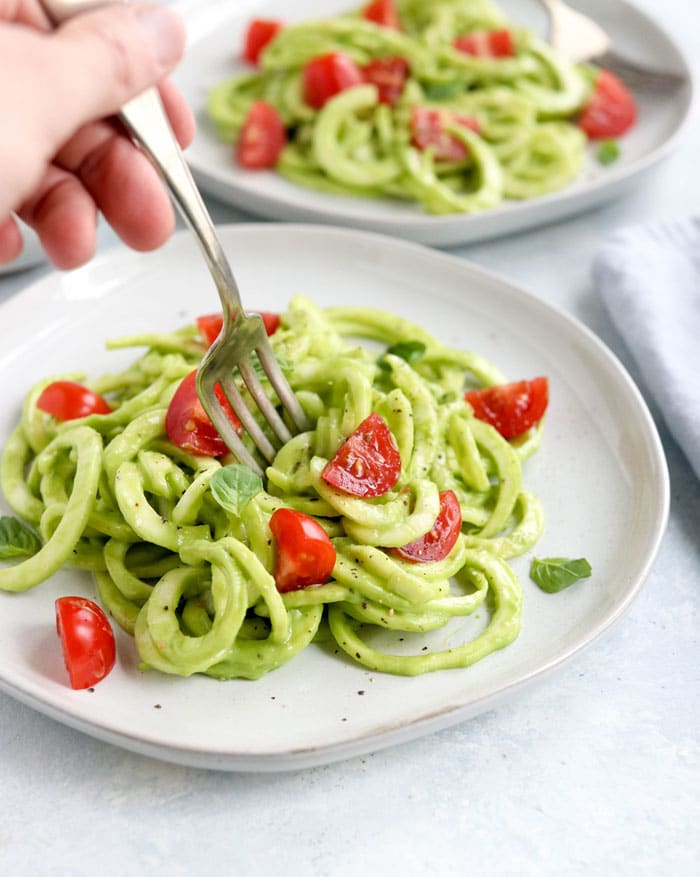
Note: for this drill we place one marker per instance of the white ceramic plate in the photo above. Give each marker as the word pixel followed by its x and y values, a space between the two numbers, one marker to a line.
pixel 600 473
pixel 215 30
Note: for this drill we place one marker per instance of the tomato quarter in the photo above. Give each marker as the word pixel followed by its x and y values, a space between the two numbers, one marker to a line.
pixel 328 75
pixel 383 12
pixel 304 555
pixel 68 400
pixel 487 44
pixel 438 543
pixel 511 408
pixel 188 425
pixel 210 325
pixel 368 461
pixel 389 75
pixel 87 640
pixel 262 137
pixel 428 130
pixel 259 33
pixel 611 109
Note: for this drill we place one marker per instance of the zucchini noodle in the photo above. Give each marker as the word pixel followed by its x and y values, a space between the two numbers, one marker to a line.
pixel 523 106
pixel 191 578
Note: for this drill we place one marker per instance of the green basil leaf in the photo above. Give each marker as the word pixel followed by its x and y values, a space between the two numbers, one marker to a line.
pixel 608 151
pixel 17 539
pixel 410 351
pixel 553 574
pixel 234 486
pixel 438 91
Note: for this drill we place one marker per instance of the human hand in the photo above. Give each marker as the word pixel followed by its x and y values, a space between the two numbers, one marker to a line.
pixel 62 160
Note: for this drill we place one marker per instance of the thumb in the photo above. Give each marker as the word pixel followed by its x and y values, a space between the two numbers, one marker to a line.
pixel 104 58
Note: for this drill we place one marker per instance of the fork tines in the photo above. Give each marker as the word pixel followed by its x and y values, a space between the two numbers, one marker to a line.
pixel 216 369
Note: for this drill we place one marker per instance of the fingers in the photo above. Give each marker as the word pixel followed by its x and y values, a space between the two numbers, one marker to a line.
pixel 64 216
pixel 106 57
pixel 120 179
pixel 24 12
pixel 54 83
pixel 94 64
pixel 10 241
pixel 129 193
pixel 178 111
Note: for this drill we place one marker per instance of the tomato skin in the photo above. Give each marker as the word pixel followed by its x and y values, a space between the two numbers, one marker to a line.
pixel 270 320
pixel 188 425
pixel 368 461
pixel 611 109
pixel 304 554
pixel 328 75
pixel 262 137
pixel 68 400
pixel 209 325
pixel 437 543
pixel 259 33
pixel 389 75
pixel 513 408
pixel 487 44
pixel 87 640
pixel 382 12
pixel 428 130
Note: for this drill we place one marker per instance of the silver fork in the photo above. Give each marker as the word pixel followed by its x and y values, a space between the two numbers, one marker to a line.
pixel 242 335
pixel 580 39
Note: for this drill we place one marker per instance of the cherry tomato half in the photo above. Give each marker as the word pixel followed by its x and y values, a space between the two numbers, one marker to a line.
pixel 304 555
pixel 328 75
pixel 389 75
pixel 428 130
pixel 511 408
pixel 259 33
pixel 209 325
pixel 87 640
pixel 188 425
pixel 487 44
pixel 262 137
pixel 383 12
pixel 68 400
pixel 611 109
pixel 438 543
pixel 368 461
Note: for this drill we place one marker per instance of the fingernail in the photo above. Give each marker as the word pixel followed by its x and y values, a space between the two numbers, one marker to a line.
pixel 164 30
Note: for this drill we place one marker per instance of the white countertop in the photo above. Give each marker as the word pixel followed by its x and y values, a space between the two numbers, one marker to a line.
pixel 594 771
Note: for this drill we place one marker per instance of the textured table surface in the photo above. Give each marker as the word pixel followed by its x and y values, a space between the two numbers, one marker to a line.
pixel 595 771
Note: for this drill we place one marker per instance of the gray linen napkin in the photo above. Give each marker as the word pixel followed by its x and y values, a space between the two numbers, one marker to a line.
pixel 649 280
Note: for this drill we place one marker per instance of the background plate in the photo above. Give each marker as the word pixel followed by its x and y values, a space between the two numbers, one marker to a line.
pixel 216 27
pixel 600 473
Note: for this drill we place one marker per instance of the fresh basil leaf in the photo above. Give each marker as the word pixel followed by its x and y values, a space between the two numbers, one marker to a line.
pixel 608 151
pixel 443 90
pixel 553 574
pixel 16 539
pixel 410 351
pixel 234 486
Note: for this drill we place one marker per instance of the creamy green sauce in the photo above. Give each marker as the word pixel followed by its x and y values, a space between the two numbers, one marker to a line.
pixel 192 581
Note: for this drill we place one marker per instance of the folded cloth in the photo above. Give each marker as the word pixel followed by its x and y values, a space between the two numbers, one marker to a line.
pixel 649 280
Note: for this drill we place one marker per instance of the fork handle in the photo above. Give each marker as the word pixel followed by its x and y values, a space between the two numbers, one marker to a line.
pixel 147 122
pixel 145 118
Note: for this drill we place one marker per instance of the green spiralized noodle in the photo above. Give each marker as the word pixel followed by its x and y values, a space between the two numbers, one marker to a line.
pixel 192 581
pixel 525 107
